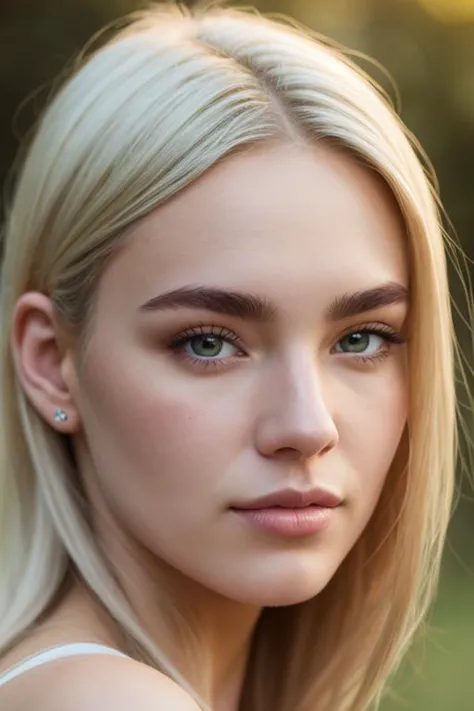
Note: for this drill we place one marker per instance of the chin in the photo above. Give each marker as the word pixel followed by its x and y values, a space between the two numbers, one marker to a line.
pixel 288 593
pixel 285 598
pixel 279 586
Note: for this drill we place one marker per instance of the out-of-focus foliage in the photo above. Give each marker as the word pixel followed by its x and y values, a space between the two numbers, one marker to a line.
pixel 450 10
pixel 428 48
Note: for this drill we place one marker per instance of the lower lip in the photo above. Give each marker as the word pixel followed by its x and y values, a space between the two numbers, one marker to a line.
pixel 288 522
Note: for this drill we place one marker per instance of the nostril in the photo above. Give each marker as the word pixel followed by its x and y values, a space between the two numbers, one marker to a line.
pixel 328 447
pixel 289 453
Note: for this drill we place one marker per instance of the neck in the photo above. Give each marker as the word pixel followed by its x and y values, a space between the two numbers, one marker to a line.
pixel 204 635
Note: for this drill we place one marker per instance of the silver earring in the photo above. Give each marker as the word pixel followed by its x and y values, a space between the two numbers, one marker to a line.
pixel 60 415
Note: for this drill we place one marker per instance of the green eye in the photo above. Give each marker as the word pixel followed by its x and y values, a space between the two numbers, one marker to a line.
pixel 357 342
pixel 367 343
pixel 207 346
pixel 202 344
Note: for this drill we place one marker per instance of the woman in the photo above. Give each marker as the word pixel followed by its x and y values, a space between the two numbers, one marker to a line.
pixel 227 391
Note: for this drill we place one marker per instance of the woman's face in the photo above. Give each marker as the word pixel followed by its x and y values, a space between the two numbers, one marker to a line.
pixel 248 340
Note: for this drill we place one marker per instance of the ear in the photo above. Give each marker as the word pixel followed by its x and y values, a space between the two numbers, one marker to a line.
pixel 44 361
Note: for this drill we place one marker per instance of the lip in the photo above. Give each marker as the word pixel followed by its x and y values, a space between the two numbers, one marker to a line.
pixel 292 499
pixel 290 512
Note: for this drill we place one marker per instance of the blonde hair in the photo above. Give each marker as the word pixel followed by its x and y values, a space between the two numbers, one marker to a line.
pixel 162 101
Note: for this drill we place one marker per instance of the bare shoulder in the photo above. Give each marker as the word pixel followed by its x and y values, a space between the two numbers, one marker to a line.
pixel 105 683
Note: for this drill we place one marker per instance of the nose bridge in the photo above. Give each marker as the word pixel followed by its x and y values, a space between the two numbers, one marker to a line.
pixel 299 415
pixel 303 392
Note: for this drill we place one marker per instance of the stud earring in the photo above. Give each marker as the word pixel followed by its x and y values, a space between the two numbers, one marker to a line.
pixel 60 415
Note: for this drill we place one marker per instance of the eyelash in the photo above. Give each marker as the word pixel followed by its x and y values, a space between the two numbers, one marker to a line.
pixel 204 330
pixel 390 336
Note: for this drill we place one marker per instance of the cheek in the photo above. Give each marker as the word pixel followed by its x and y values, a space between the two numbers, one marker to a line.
pixel 371 429
pixel 160 438
pixel 188 431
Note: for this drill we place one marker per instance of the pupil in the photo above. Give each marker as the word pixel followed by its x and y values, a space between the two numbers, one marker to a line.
pixel 208 345
pixel 358 341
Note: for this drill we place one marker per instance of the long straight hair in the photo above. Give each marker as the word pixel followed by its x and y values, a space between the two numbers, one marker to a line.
pixel 169 95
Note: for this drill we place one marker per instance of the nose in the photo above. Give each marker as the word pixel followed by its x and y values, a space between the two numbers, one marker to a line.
pixel 296 422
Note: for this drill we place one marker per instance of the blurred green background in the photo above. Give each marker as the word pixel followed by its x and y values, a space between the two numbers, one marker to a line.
pixel 428 48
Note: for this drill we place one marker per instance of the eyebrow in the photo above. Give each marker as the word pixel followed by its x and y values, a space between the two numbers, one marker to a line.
pixel 348 305
pixel 252 307
pixel 231 303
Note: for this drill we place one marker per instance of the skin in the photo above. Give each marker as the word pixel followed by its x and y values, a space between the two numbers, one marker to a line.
pixel 168 443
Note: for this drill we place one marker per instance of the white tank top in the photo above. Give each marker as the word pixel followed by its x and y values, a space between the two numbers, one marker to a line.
pixel 50 655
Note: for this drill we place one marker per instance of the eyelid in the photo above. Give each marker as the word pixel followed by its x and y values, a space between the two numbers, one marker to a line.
pixel 376 327
pixel 207 364
pixel 204 330
pixel 225 334
pixel 389 334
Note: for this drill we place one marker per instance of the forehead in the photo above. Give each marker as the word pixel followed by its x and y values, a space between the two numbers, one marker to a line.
pixel 292 221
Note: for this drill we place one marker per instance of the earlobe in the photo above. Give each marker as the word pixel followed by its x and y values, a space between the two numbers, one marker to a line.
pixel 39 355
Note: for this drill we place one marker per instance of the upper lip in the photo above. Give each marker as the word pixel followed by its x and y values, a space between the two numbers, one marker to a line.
pixel 293 499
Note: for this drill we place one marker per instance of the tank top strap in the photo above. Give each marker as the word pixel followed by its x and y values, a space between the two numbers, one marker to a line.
pixel 59 652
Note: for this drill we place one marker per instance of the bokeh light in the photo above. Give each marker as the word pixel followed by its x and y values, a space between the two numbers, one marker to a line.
pixel 450 10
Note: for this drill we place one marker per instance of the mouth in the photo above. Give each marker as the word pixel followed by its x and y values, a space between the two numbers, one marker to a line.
pixel 293 499
pixel 290 512
pixel 288 522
